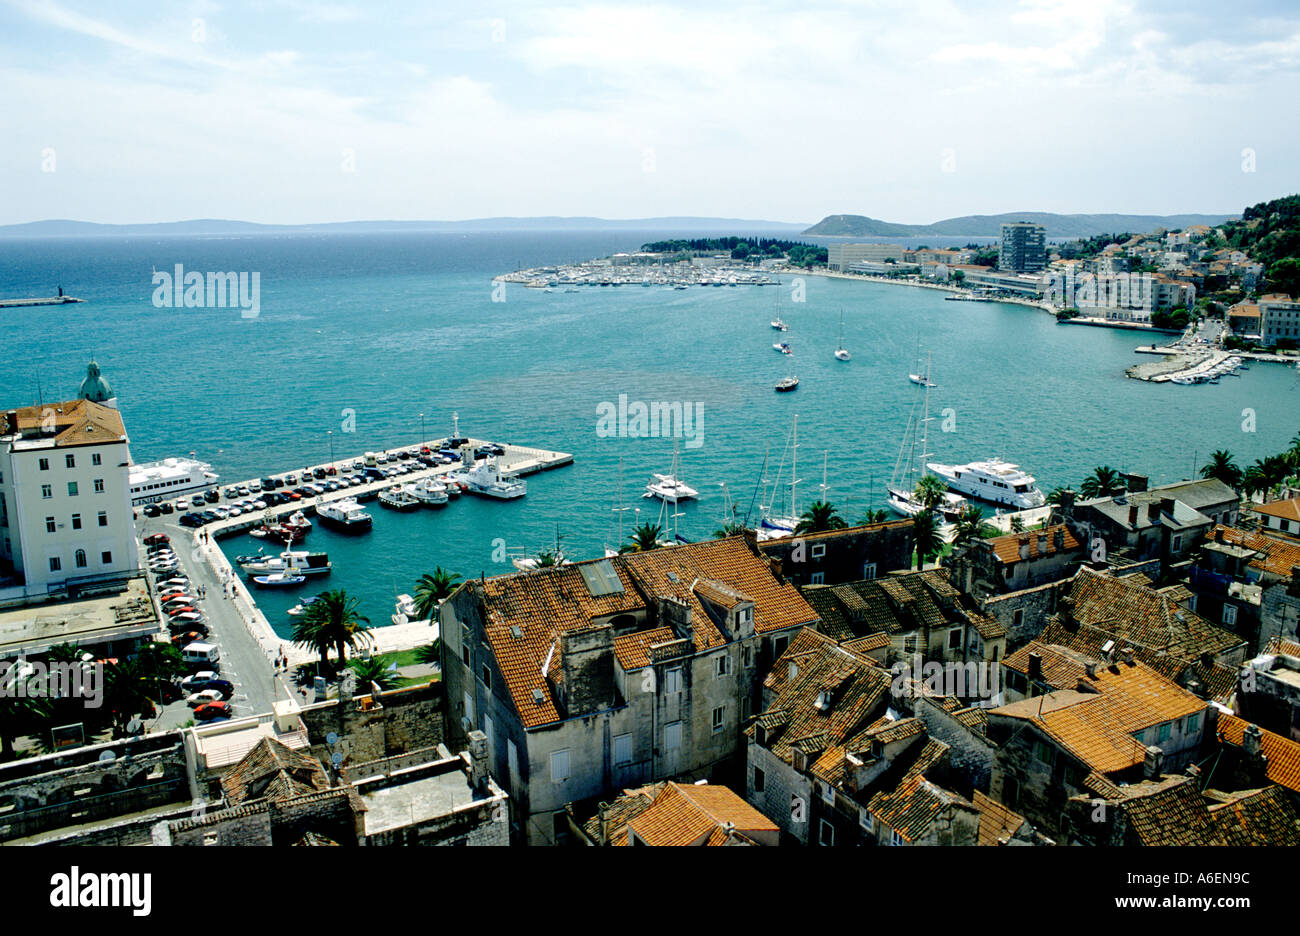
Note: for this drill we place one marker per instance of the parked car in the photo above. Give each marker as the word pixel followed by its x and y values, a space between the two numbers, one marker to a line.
pixel 291 479
pixel 202 697
pixel 213 496
pixel 166 508
pixel 153 538
pixel 151 510
pixel 212 710
pixel 199 680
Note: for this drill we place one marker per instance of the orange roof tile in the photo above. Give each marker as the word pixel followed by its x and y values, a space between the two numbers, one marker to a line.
pixel 1283 754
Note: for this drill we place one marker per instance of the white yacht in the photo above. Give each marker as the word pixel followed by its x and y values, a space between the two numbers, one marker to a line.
pixel 668 487
pixel 161 480
pixel 922 379
pixel 293 561
pixel 405 612
pixel 995 481
pixel 486 480
pixel 841 353
pixel 908 468
pixel 345 515
pixel 429 492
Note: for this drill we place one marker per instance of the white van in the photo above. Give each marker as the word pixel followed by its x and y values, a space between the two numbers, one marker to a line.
pixel 199 652
pixel 370 459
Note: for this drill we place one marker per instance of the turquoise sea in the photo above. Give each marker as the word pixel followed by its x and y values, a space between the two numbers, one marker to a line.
pixel 359 335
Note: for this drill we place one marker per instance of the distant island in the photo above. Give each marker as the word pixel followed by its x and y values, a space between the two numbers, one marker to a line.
pixel 1058 225
pixel 66 228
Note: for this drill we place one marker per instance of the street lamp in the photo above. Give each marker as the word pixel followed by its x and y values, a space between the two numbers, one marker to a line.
pixel 330 434
pixel 422 435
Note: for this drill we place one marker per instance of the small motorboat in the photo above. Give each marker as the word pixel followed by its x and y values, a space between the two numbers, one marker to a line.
pixel 786 384
pixel 923 381
pixel 399 499
pixel 783 347
pixel 278 580
pixel 780 325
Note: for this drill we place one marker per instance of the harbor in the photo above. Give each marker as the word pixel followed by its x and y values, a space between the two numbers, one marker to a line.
pixel 608 272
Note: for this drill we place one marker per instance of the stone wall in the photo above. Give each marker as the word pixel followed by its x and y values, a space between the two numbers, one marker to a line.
pixel 368 729
pixel 842 555
pixel 970 755
pixel 1024 613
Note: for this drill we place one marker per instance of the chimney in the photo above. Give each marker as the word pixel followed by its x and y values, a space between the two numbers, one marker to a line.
pixel 602 824
pixel 1252 740
pixel 1091 669
pixel 676 614
pixel 1167 505
pixel 1153 762
pixel 587 662
pixel 1153 512
pixel 1035 666
pixel 1067 503
pixel 1126 654
pixel 1042 544
pixel 478 761
pixel 1132 515
pixel 1024 545
pixel 1135 483
pixel 1058 538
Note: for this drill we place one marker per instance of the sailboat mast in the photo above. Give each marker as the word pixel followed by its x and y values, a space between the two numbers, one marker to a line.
pixel 794 469
pixel 925 424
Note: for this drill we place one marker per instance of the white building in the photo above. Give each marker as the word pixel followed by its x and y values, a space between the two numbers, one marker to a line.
pixel 843 256
pixel 65 507
pixel 1279 318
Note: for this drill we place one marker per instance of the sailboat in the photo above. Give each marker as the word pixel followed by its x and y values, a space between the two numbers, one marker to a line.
pixel 908 467
pixel 840 352
pixel 773 526
pixel 789 381
pixel 776 322
pixel 611 551
pixel 668 487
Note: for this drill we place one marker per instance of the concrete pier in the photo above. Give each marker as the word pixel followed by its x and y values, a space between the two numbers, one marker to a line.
pixel 48 300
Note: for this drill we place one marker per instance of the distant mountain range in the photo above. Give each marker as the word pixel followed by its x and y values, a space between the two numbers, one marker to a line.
pixel 63 228
pixel 1058 225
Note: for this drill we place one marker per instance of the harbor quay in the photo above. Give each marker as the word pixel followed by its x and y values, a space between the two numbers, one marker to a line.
pixel 516 460
pixel 42 301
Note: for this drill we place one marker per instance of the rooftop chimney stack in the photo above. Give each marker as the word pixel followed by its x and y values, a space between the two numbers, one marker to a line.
pixel 1153 762
pixel 1132 515
pixel 478 758
pixel 1252 740
pixel 1035 666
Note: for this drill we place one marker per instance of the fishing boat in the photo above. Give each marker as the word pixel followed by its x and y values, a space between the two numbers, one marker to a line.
pixel 278 532
pixel 399 499
pixel 668 487
pixel 278 580
pixel 907 468
pixel 295 562
pixel 344 515
pixel 840 352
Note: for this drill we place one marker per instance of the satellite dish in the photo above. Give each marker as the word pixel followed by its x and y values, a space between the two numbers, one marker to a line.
pixel 336 758
pixel 134 726
pixel 107 756
pixel 332 738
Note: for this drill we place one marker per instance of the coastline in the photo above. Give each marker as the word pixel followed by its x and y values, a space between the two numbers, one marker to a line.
pixel 891 281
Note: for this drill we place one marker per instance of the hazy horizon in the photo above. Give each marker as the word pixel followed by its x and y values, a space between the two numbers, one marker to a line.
pixel 283 112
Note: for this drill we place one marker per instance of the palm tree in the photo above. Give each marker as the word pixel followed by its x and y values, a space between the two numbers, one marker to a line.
pixel 875 516
pixel 1293 452
pixel 1265 475
pixel 64 653
pixel 1017 525
pixel 929 491
pixel 970 525
pixel 1103 482
pixel 159 663
pixel 1054 496
pixel 644 538
pixel 546 559
pixel 820 517
pixel 374 670
pixel 432 590
pixel 20 713
pixel 1222 466
pixel 430 654
pixel 126 693
pixel 925 533
pixel 332 621
pixel 730 528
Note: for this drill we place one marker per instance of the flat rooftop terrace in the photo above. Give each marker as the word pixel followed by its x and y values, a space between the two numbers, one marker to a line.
pixel 83 621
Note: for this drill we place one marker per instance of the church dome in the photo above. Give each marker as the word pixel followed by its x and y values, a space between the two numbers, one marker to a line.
pixel 95 388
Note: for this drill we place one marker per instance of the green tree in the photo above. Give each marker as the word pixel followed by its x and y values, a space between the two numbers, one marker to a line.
pixel 1104 481
pixel 373 670
pixel 432 590
pixel 126 693
pixel 22 710
pixel 430 654
pixel 970 525
pixel 820 517
pixel 730 528
pixel 1017 525
pixel 930 491
pixel 644 538
pixel 1222 466
pixel 875 515
pixel 331 621
pixel 1284 276
pixel 925 536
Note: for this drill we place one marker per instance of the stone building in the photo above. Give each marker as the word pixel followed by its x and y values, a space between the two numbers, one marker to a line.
pixel 609 674
pixel 838 556
pixel 680 814
pixel 1016 561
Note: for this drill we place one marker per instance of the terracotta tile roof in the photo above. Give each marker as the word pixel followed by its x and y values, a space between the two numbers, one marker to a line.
pixel 1278 645
pixel 1061 667
pixel 1276 556
pixel 909 808
pixel 1139 616
pixel 683 814
pixel 860 693
pixel 75 422
pixel 628 806
pixel 997 823
pixel 272 770
pixel 1283 766
pixel 1007 548
pixel 1261 817
pixel 894 604
pixel 633 650
pixel 543 604
pixel 1169 812
pixel 1097 726
pixel 1285 509
pixel 865 645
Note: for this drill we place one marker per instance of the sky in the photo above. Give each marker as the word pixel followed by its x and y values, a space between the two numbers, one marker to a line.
pixel 284 111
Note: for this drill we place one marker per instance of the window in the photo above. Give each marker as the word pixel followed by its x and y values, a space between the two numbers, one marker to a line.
pixel 1043 751
pixel 818 550
pixel 1018 617
pixel 869 570
pixel 55 564
pixel 95 459
pixel 721 665
pixel 487 677
pixel 954 639
pixel 673 680
pixel 46 491
pixel 1229 614
pixel 45 464
pixel 76 521
pixel 622 749
pixel 467 703
pixel 826 836
pixel 1162 733
pixel 779 644
pixel 1178 543
pixel 719 719
pixel 103 518
pixel 1193 722
pixel 512 757
pixel 106 557
pixel 81 558
pixel 49 525
pixel 760 780
pixel 70 460
pixel 818 578
pixel 673 735
pixel 895 838
pixel 72 488
pixel 99 485
pixel 748 656
pixel 559 766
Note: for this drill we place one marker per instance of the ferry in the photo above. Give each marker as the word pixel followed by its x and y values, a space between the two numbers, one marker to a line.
pixel 345 515
pixel 171 477
pixel 995 481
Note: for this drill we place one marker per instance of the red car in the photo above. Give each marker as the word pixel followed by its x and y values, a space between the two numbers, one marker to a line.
pixel 154 538
pixel 211 710
pixel 183 609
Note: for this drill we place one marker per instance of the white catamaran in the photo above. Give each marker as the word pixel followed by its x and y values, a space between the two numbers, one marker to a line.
pixel 668 487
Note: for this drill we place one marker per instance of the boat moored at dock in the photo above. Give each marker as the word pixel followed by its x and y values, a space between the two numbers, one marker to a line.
pixel 994 481
pixel 345 515
pixel 295 562
pixel 399 499
pixel 486 480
